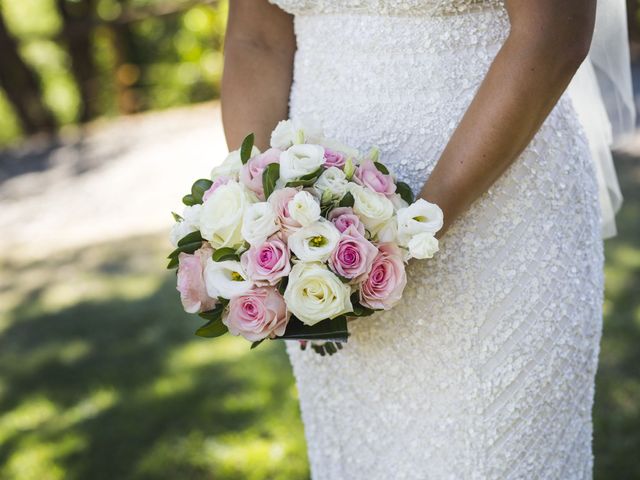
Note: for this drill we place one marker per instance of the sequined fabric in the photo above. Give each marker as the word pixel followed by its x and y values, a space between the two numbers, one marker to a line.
pixel 486 369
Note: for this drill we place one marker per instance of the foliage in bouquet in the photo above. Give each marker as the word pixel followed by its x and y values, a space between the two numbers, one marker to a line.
pixel 294 241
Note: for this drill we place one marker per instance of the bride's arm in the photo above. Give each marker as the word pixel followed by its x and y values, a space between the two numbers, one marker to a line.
pixel 547 43
pixel 258 65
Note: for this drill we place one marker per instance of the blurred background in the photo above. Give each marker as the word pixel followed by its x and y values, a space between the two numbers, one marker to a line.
pixel 101 376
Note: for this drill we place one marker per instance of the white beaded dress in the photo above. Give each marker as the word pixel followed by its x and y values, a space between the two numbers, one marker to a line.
pixel 486 368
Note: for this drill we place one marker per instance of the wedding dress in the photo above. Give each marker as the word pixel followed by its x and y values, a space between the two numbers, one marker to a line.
pixel 486 368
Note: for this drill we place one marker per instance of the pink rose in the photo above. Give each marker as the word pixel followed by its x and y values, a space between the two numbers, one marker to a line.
pixel 217 183
pixel 354 255
pixel 333 158
pixel 193 292
pixel 279 200
pixel 368 175
pixel 267 263
pixel 383 287
pixel 251 172
pixel 343 218
pixel 257 314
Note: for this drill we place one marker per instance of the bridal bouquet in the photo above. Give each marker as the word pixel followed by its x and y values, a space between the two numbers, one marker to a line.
pixel 291 242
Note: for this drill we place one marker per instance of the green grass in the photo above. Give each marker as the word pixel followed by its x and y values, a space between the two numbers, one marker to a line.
pixel 101 376
pixel 617 407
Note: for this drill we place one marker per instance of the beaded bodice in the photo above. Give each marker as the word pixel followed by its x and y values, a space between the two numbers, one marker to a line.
pixel 386 7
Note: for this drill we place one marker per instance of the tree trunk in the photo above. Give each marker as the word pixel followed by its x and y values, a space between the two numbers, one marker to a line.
pixel 77 30
pixel 128 68
pixel 22 87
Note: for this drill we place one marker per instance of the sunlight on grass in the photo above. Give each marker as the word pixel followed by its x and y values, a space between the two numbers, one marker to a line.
pixel 169 385
pixel 626 256
pixel 249 458
pixel 74 351
pixel 29 415
pixel 40 414
pixel 38 460
pixel 89 407
pixel 35 463
pixel 204 351
pixel 66 352
pixel 95 288
pixel 200 352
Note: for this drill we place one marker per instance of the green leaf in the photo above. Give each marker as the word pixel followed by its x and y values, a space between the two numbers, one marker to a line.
pixel 189 200
pixel 173 263
pixel 325 209
pixel 330 348
pixel 331 329
pixel 270 176
pixel 247 148
pixel 226 253
pixel 176 217
pixel 256 343
pixel 190 238
pixel 405 192
pixel 374 154
pixel 349 168
pixel 215 314
pixel 358 309
pixel 282 286
pixel 199 187
pixel 213 329
pixel 188 248
pixel 347 200
pixel 306 180
pixel 319 349
pixel 381 168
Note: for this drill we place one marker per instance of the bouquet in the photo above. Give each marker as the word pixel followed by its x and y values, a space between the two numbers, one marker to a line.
pixel 293 242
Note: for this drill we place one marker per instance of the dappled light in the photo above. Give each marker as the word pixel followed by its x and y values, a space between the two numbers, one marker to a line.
pixel 103 378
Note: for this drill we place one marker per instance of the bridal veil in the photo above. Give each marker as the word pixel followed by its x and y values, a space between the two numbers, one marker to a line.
pixel 602 95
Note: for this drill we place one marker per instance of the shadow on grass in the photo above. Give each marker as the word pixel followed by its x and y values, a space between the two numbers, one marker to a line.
pixel 617 405
pixel 113 384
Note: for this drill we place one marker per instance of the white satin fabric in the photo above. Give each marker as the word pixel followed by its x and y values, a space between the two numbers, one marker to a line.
pixel 602 95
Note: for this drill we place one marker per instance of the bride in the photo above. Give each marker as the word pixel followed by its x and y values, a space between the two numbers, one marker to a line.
pixel 486 370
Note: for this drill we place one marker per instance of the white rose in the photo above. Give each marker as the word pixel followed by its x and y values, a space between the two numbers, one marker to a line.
pixel 388 232
pixel 374 209
pixel 314 293
pixel 258 223
pixel 300 160
pixel 423 245
pixel 315 242
pixel 286 134
pixel 304 208
pixel 190 223
pixel 225 279
pixel 292 132
pixel 222 213
pixel 334 181
pixel 419 217
pixel 231 166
